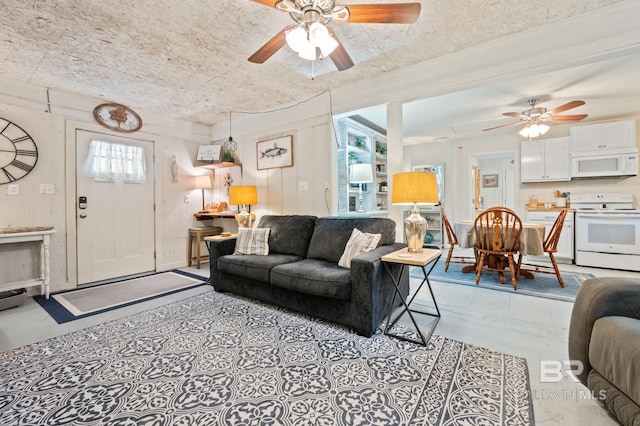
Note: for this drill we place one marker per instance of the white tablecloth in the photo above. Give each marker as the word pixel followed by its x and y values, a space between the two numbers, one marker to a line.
pixel 531 239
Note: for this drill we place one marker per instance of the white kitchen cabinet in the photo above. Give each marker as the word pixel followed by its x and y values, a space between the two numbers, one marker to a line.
pixel 603 136
pixel 565 243
pixel 545 160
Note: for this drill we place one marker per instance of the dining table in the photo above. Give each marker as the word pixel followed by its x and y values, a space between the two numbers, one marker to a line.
pixel 531 242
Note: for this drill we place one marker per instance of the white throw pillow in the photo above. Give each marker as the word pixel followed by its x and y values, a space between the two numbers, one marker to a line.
pixel 253 241
pixel 358 243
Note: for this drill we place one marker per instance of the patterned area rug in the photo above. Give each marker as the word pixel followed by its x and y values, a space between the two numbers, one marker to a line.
pixel 215 359
pixel 542 285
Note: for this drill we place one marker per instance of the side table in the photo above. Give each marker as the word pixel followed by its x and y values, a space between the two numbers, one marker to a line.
pixel 198 234
pixel 404 258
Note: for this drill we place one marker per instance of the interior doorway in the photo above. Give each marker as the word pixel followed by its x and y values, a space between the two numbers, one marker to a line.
pixel 492 182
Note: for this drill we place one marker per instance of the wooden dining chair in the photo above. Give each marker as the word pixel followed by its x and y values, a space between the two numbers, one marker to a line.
pixel 551 246
pixel 452 240
pixel 497 231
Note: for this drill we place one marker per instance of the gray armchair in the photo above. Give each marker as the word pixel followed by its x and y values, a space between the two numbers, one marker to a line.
pixel 604 335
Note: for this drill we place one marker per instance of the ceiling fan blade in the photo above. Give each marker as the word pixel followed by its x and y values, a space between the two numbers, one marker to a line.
pixel 339 56
pixel 270 3
pixel 574 117
pixel 392 13
pixel 568 105
pixel 270 47
pixel 514 114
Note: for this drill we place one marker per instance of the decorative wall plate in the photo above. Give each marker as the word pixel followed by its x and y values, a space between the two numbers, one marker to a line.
pixel 117 117
pixel 18 152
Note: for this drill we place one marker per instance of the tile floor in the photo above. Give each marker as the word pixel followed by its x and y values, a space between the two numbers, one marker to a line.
pixel 533 328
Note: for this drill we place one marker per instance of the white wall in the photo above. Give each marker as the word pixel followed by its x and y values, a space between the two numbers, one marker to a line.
pixel 54 135
pixel 314 156
pixel 30 208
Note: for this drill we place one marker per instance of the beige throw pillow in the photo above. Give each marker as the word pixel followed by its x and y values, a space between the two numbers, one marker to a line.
pixel 358 243
pixel 253 241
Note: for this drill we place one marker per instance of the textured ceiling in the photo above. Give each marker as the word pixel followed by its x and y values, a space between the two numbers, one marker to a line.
pixel 188 59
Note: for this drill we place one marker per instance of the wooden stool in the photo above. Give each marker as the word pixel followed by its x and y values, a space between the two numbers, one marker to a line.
pixel 199 234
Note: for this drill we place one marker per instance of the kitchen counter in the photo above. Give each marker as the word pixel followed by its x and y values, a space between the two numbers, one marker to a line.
pixel 553 208
pixel 550 209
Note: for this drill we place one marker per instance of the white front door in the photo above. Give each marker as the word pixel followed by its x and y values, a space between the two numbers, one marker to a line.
pixel 115 222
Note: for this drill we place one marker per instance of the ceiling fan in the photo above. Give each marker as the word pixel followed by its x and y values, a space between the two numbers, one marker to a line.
pixel 312 39
pixel 533 117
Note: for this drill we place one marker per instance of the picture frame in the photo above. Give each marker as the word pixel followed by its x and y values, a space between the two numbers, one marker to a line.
pixel 275 153
pixel 490 181
pixel 208 153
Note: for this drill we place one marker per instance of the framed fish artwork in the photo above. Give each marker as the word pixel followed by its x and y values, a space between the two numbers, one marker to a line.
pixel 275 153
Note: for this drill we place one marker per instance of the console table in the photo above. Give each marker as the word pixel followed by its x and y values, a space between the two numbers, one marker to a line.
pixel 27 234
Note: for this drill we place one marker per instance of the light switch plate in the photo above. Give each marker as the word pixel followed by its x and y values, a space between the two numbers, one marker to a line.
pixel 13 189
pixel 47 188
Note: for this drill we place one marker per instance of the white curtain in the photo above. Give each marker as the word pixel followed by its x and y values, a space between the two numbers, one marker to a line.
pixel 112 161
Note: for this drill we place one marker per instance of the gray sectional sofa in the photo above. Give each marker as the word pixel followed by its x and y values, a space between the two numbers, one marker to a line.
pixel 604 335
pixel 301 271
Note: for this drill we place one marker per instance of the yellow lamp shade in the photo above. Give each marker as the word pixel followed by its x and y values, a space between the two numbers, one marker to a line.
pixel 414 187
pixel 242 195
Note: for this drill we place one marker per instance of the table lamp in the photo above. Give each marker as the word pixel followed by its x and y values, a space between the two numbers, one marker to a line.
pixel 360 173
pixel 203 182
pixel 243 196
pixel 413 188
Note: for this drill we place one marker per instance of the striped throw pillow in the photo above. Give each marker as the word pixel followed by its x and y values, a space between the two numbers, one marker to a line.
pixel 358 243
pixel 253 241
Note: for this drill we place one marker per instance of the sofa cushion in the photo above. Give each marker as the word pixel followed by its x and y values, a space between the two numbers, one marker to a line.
pixel 331 234
pixel 614 352
pixel 317 277
pixel 289 234
pixel 252 241
pixel 359 242
pixel 253 266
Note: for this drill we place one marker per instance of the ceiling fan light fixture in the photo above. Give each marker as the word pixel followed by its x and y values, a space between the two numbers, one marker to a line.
pixel 308 52
pixel 297 39
pixel 534 130
pixel 319 36
pixel 317 32
pixel 328 45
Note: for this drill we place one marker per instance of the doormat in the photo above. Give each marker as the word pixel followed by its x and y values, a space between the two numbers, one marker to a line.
pixel 83 302
pixel 542 285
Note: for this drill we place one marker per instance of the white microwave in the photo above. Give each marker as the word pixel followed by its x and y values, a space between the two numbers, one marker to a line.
pixel 601 164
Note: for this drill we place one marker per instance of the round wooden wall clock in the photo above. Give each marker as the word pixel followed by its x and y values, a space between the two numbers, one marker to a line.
pixel 117 117
pixel 18 152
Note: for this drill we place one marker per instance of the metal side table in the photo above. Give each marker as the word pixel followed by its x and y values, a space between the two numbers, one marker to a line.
pixel 423 259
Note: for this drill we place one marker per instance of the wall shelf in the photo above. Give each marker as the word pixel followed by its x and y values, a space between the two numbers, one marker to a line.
pixel 220 165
